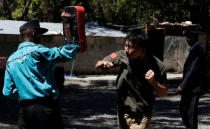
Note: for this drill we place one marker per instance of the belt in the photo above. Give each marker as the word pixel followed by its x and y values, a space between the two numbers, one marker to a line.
pixel 45 101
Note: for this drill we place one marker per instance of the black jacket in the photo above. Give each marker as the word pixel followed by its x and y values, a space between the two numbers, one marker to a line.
pixel 195 72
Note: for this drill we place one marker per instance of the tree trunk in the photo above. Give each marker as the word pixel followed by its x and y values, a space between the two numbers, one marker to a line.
pixel 7 10
pixel 25 10
pixel 56 13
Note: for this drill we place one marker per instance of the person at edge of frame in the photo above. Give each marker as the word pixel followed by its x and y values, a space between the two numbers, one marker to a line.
pixel 29 76
pixel 140 75
pixel 194 81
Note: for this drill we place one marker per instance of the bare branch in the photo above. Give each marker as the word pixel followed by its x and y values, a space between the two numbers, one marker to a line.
pixel 25 10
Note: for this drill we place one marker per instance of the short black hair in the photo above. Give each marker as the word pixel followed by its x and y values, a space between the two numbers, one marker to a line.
pixel 25 33
pixel 138 37
pixel 192 33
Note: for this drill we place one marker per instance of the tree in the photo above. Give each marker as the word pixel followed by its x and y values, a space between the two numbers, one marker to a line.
pixel 26 8
pixel 8 6
pixel 121 12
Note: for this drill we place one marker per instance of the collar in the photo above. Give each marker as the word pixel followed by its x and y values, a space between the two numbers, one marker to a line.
pixel 24 44
pixel 193 46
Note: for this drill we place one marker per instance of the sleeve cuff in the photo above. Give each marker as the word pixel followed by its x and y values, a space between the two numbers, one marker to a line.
pixel 69 42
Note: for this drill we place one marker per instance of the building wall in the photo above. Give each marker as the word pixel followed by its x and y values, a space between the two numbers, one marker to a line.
pixel 8 44
pixel 176 50
pixel 99 47
pixel 175 53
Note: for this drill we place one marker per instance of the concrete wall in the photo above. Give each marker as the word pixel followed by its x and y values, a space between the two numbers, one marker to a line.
pixel 98 47
pixel 8 44
pixel 176 50
pixel 175 53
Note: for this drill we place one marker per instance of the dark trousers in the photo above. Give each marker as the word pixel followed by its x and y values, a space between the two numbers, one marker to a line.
pixel 40 114
pixel 189 110
pixel 120 116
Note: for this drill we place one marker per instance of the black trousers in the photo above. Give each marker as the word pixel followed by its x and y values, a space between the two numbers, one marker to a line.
pixel 40 114
pixel 189 110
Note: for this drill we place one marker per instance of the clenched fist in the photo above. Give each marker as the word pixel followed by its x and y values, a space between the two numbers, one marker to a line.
pixel 150 76
pixel 107 64
pixel 104 65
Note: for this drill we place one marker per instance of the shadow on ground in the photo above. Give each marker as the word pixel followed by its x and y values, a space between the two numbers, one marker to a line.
pixel 86 106
pixel 166 114
pixel 8 113
pixel 89 107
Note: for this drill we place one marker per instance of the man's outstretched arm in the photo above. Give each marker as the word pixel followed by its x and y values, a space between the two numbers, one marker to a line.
pixel 103 65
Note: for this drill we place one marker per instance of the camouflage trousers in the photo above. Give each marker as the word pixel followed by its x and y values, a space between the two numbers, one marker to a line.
pixel 131 123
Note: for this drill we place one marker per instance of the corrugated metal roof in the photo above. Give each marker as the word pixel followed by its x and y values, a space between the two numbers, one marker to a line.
pixel 92 29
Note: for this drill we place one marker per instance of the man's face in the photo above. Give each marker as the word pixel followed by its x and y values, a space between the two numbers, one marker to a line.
pixel 191 40
pixel 133 51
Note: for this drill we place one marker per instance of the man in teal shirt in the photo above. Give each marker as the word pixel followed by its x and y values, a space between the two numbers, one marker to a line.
pixel 30 76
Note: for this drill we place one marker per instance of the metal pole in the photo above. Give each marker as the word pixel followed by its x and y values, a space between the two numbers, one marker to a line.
pixel 72 67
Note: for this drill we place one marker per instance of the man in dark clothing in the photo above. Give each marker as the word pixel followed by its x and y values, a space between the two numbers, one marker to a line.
pixel 193 83
pixel 140 75
pixel 29 76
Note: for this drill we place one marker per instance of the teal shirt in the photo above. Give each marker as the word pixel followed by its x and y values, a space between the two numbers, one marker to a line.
pixel 30 70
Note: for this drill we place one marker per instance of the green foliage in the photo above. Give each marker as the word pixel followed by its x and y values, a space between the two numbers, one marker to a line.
pixel 121 12
pixel 44 10
pixel 133 12
pixel 18 10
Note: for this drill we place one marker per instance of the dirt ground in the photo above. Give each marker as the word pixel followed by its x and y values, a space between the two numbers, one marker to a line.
pixel 93 106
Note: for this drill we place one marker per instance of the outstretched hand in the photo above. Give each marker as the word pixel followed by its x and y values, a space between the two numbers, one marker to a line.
pixel 65 15
pixel 104 65
pixel 67 26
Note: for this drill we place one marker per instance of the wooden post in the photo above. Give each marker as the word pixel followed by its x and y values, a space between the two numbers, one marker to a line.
pixel 208 35
pixel 208 44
